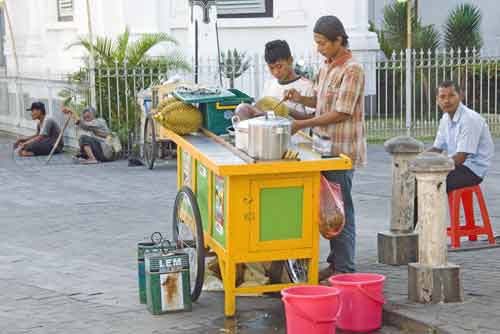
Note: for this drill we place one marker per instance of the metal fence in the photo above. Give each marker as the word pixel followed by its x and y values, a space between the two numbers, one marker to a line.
pixel 406 90
pixel 18 92
pixel 400 96
pixel 400 89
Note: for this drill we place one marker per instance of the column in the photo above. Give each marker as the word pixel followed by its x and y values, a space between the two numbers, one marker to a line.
pixel 433 279
pixel 400 245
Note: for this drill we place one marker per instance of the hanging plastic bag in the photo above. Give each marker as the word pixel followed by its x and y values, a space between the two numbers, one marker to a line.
pixel 332 216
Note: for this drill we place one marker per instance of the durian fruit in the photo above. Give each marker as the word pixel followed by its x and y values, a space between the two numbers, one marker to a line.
pixel 178 116
pixel 267 103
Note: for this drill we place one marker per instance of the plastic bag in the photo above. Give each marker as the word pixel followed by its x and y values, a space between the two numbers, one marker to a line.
pixel 332 216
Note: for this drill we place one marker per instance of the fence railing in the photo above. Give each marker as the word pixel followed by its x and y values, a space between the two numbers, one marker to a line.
pixel 400 96
pixel 17 94
pixel 477 75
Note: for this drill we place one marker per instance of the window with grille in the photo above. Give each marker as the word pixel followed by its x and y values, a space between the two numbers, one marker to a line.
pixel 244 8
pixel 65 10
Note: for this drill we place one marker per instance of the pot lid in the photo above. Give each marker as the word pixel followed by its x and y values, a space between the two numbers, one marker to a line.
pixel 270 121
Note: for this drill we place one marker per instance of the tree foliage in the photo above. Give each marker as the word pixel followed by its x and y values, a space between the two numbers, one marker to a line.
pixel 462 28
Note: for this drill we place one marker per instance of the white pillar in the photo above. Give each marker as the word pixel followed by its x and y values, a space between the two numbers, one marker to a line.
pixel 399 245
pixel 433 279
pixel 404 150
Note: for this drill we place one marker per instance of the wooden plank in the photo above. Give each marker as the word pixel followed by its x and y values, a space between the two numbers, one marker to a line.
pixel 232 148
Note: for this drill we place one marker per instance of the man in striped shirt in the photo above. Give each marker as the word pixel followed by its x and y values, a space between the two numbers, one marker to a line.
pixel 339 118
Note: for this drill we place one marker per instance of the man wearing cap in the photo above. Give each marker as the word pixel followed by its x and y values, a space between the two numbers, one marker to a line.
pixel 47 132
pixel 339 125
pixel 94 147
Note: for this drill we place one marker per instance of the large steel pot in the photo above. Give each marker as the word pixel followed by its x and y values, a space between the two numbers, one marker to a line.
pixel 268 136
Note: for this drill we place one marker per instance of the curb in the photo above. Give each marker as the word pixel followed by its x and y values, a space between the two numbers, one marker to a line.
pixel 399 320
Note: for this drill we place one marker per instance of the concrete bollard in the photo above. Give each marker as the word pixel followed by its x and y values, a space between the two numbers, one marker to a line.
pixel 433 279
pixel 399 246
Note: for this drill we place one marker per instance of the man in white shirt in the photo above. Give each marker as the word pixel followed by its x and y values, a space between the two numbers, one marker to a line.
pixel 466 138
pixel 280 64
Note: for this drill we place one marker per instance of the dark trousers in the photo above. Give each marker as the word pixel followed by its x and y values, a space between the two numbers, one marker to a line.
pixel 460 177
pixel 43 147
pixel 95 146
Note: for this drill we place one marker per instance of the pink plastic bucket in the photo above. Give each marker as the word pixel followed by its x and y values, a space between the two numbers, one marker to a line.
pixel 311 309
pixel 362 298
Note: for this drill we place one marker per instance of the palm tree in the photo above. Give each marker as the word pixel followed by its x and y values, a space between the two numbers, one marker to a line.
pixel 114 56
pixel 109 51
pixel 462 28
pixel 392 35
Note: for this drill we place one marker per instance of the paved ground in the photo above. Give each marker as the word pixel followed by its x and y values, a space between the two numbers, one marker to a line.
pixel 68 253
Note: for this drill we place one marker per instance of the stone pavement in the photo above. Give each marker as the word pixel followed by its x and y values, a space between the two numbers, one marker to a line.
pixel 68 262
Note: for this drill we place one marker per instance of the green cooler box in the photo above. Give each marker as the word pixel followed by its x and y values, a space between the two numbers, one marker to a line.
pixel 218 109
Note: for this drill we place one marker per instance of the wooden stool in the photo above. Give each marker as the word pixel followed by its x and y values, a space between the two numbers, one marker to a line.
pixel 470 229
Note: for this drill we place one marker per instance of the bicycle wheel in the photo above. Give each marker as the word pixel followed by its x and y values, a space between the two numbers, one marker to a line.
pixel 188 236
pixel 297 270
pixel 150 147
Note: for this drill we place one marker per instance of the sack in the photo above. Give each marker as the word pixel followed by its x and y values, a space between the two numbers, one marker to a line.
pixel 332 216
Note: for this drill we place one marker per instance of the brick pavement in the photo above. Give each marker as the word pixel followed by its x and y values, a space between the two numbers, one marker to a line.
pixel 68 252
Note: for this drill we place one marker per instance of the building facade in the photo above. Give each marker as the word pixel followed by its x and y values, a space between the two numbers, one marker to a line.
pixel 43 30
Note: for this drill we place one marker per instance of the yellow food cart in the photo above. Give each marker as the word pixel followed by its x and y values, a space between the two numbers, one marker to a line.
pixel 247 211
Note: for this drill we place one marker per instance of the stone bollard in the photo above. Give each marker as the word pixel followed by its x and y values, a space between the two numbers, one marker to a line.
pixel 433 279
pixel 400 245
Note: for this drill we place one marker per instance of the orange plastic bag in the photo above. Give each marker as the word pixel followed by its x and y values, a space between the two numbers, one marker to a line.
pixel 331 217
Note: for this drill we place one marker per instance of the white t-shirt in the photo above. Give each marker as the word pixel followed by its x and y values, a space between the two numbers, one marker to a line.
pixel 276 89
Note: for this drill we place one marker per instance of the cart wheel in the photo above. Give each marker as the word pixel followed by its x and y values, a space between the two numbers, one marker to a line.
pixel 150 145
pixel 297 270
pixel 188 236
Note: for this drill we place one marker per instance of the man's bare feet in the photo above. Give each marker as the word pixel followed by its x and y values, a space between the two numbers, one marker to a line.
pixel 24 153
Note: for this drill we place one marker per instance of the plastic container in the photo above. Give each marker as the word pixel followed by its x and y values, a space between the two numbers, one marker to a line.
pixel 311 309
pixel 362 298
pixel 217 115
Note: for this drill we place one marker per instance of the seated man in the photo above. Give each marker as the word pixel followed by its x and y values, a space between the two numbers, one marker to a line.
pixel 46 134
pixel 466 138
pixel 94 147
pixel 279 61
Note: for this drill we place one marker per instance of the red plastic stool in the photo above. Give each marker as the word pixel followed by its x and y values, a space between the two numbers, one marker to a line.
pixel 470 229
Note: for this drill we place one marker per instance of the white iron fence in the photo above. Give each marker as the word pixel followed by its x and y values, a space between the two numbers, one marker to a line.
pixel 406 90
pixel 17 94
pixel 400 89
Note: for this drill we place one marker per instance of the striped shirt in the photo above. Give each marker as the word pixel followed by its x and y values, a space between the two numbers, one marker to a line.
pixel 340 88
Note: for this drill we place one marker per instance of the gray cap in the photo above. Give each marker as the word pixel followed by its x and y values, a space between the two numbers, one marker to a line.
pixel 330 27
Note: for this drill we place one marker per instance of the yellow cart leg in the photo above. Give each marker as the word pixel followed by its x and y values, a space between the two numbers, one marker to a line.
pixel 229 287
pixel 313 270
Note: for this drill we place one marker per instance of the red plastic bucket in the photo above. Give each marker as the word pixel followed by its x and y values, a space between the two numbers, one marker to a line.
pixel 311 309
pixel 362 298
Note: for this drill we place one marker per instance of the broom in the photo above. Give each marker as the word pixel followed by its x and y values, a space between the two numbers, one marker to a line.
pixel 68 97
pixel 58 140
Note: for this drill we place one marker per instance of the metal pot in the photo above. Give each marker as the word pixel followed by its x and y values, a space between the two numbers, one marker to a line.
pixel 268 136
pixel 240 133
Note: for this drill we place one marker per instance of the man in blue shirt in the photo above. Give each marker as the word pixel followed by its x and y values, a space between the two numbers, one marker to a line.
pixel 466 138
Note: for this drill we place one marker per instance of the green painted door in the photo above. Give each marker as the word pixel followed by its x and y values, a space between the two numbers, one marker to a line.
pixel 282 214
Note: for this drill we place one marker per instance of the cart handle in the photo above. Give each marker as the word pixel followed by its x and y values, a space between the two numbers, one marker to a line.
pixel 220 106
